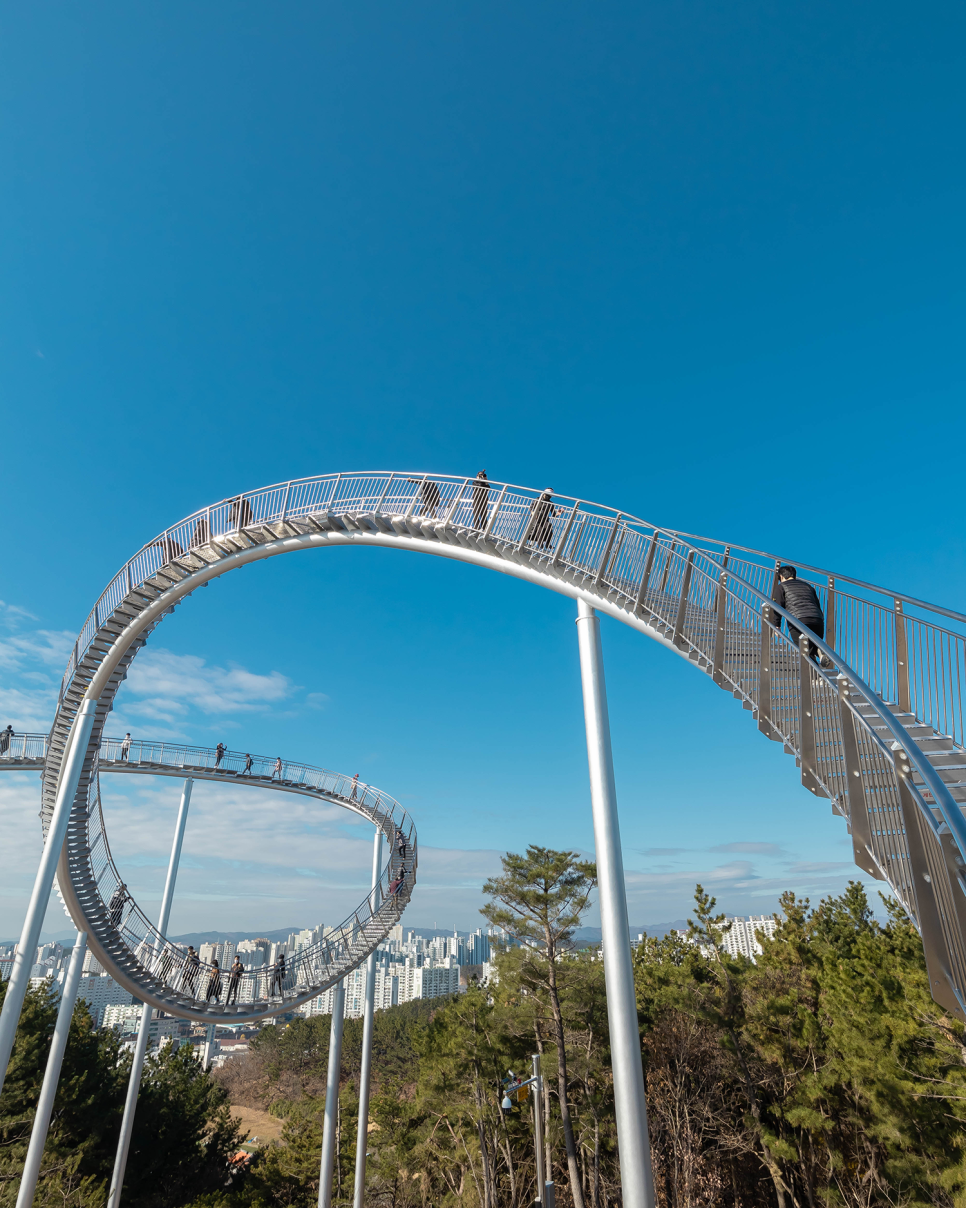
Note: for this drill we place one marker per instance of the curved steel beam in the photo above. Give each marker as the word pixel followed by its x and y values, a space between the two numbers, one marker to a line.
pixel 689 594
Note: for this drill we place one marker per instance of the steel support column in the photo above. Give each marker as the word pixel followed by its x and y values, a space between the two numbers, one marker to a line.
pixel 332 1096
pixel 631 1110
pixel 365 1072
pixel 144 1030
pixel 45 1105
pixel 80 733
pixel 537 1100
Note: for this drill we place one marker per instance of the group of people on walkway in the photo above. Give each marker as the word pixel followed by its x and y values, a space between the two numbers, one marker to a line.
pixel 5 737
pixel 218 981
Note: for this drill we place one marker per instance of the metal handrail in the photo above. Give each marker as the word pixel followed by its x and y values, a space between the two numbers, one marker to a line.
pixel 674 586
pixel 937 681
pixel 136 952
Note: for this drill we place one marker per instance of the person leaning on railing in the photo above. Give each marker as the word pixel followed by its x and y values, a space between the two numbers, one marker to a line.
pixel 5 736
pixel 799 598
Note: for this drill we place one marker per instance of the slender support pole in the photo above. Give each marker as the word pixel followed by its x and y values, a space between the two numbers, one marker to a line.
pixel 332 1096
pixel 44 881
pixel 38 1134
pixel 631 1110
pixel 537 1099
pixel 144 1031
pixel 365 1072
pixel 206 1052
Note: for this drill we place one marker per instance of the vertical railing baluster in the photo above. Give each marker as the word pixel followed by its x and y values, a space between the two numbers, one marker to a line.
pixel 677 639
pixel 902 659
pixel 605 556
pixel 667 565
pixel 765 671
pixel 720 621
pixel 648 564
pixel 565 534
pixel 859 821
pixel 830 614
pixel 456 502
pixel 385 492
pixel 494 514
pixel 806 719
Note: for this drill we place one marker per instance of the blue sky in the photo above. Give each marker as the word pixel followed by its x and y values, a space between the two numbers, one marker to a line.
pixel 698 263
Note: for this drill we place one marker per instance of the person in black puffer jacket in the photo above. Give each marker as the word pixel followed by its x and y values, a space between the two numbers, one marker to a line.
pixel 798 598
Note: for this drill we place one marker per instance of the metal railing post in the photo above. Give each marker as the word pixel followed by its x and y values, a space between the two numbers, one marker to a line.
pixel 830 614
pixel 456 502
pixel 806 719
pixel 667 565
pixel 385 492
pixel 859 821
pixel 494 514
pixel 73 766
pixel 365 1071
pixel 903 697
pixel 565 534
pixel 683 602
pixel 144 1028
pixel 764 672
pixel 416 493
pixel 55 1059
pixel 720 621
pixel 648 564
pixel 633 1144
pixel 605 556
pixel 332 1096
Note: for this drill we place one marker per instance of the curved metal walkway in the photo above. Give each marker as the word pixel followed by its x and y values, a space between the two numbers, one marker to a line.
pixel 154 969
pixel 879 732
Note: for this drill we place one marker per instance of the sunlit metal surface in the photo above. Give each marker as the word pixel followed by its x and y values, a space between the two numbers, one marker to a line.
pixel 879 731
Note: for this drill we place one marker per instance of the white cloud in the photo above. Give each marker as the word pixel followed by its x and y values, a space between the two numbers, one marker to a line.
pixel 171 683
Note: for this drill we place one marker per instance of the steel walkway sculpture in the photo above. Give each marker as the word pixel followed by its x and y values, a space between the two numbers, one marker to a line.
pixel 880 733
pixel 153 968
pixel 877 728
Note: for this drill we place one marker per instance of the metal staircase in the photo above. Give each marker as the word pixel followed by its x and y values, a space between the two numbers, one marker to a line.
pixel 153 968
pixel 877 729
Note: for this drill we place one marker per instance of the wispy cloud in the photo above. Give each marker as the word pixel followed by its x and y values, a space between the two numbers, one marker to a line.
pixel 169 684
pixel 31 662
pixel 751 849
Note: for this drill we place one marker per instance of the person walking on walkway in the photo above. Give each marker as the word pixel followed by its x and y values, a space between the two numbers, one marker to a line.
pixel 481 493
pixel 234 978
pixel 214 983
pixel 116 907
pixel 189 972
pixel 401 844
pixel 278 976
pixel 541 534
pixel 799 598
pixel 277 770
pixel 125 748
pixel 394 887
pixel 248 765
pixel 5 736
pixel 355 787
pixel 219 754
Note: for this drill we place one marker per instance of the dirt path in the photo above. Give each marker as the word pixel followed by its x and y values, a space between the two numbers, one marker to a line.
pixel 258 1124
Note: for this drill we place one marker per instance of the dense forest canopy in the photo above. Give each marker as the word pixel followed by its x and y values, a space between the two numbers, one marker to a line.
pixel 823 1074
